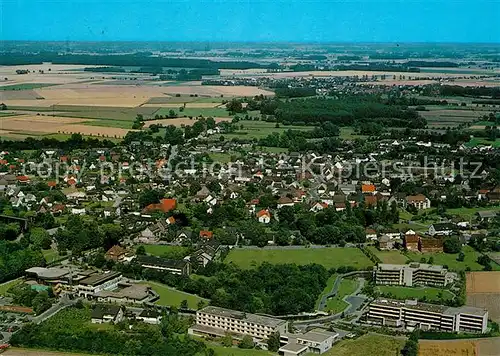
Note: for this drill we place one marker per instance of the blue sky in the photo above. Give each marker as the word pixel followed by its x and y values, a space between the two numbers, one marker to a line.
pixel 251 20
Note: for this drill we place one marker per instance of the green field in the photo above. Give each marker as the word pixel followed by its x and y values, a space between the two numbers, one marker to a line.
pixel 450 259
pixel 328 288
pixel 25 86
pixel 249 129
pixel 474 142
pixel 369 344
pixel 398 292
pixel 173 297
pixel 336 304
pixel 394 256
pixel 167 251
pixel 50 255
pixel 330 257
pixel 470 213
pixel 221 157
pixel 195 112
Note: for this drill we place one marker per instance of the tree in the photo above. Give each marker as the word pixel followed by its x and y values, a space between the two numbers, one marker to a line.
pixel 227 340
pixel 246 342
pixel 184 304
pixel 461 257
pixel 140 251
pixel 451 245
pixel 40 238
pixel 273 342
pixel 431 260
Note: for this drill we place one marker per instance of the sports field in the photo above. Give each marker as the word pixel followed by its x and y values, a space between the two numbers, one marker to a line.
pixel 330 257
pixel 431 294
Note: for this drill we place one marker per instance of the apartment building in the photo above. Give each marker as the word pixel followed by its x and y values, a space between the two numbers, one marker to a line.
pixel 411 313
pixel 215 321
pixel 412 274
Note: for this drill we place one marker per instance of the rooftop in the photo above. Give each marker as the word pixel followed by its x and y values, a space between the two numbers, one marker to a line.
pixel 414 266
pixel 293 347
pixel 234 314
pixel 48 273
pixel 99 278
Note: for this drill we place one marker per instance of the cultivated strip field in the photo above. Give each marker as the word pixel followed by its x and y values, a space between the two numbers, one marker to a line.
pixel 483 290
pixel 469 347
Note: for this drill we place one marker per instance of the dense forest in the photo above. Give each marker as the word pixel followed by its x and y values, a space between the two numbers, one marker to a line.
pixel 271 289
pixel 15 259
pixel 457 90
pixel 129 60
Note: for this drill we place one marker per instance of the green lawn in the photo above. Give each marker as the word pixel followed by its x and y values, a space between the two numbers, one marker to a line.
pixel 25 86
pixel 167 251
pixel 328 257
pixel 221 157
pixel 369 344
pixel 336 304
pixel 50 255
pixel 482 142
pixel 173 297
pixel 328 288
pixel 4 287
pixel 469 213
pixel 394 256
pixel 450 259
pixel 399 292
pixel 249 129
pixel 347 133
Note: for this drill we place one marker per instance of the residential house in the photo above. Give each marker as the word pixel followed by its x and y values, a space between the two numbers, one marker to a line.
pixel 285 201
pixel 419 201
pixel 264 216
pixel 149 316
pixel 165 205
pixel 106 314
pixel 411 241
pixel 115 253
pixel 385 243
pixel 442 229
pixel 430 245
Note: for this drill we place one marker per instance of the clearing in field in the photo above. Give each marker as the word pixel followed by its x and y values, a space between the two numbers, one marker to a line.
pixel 330 257
pixel 173 297
pixel 369 344
pixel 403 293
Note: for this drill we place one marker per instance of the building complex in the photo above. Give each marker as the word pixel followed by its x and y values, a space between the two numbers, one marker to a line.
pixel 411 313
pixel 412 274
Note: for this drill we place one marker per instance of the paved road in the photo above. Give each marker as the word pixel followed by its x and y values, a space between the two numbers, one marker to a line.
pixel 64 302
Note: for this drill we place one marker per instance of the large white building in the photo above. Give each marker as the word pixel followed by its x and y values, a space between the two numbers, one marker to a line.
pixel 215 321
pixel 427 316
pixel 315 341
pixel 412 274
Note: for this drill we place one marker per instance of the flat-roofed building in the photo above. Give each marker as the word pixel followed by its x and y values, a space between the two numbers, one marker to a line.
pixel 181 267
pixel 215 321
pixel 412 274
pixel 315 341
pixel 425 316
pixel 127 293
pixel 92 285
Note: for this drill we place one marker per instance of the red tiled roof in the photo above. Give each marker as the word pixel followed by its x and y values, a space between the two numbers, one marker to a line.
pixel 51 183
pixel 165 205
pixel 263 213
pixel 206 234
pixel 22 178
pixel 367 188
pixel 418 197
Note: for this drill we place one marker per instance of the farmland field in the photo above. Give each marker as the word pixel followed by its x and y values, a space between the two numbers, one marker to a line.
pixel 330 257
pixel 394 257
pixel 173 297
pixel 364 345
pixel 470 347
pixel 483 290
pixel 194 111
pixel 24 86
pixel 399 292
